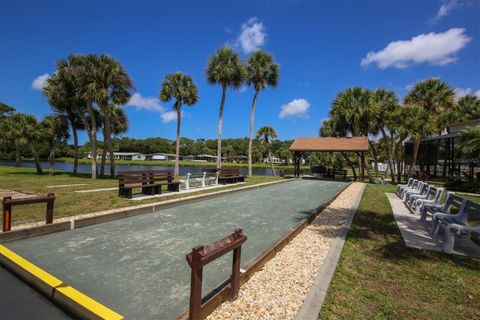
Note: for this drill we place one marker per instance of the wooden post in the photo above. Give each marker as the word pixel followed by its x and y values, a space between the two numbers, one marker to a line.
pixel 7 215
pixel 49 216
pixel 235 282
pixel 362 166
pixel 196 285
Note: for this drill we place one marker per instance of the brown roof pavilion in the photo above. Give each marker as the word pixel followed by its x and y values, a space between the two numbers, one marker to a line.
pixel 330 144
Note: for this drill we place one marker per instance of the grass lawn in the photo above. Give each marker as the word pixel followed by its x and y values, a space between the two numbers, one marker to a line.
pixel 69 202
pixel 378 277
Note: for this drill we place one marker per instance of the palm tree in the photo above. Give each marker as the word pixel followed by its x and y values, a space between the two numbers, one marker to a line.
pixel 385 106
pixel 119 125
pixel 63 101
pixel 225 69
pixel 352 111
pixel 267 134
pixel 178 86
pixel 112 88
pixel 411 122
pixel 435 97
pixel 22 129
pixel 261 71
pixel 55 130
pixel 74 83
pixel 468 107
pixel 5 110
pixel 470 144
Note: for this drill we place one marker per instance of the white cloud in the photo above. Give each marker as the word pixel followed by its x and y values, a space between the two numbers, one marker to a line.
pixel 152 104
pixel 433 48
pixel 445 10
pixel 40 81
pixel 169 116
pixel 145 103
pixel 252 35
pixel 461 92
pixel 294 108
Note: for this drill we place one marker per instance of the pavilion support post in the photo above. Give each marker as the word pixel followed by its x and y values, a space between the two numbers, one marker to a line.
pixel 362 166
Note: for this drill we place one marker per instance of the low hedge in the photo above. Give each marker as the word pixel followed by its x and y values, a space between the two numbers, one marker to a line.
pixel 463 186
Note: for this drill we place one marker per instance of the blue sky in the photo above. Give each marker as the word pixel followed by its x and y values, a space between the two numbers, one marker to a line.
pixel 322 47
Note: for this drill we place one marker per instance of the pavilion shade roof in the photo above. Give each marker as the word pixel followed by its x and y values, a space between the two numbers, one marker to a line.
pixel 330 144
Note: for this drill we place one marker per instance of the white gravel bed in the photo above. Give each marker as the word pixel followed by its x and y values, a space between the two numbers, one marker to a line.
pixel 278 290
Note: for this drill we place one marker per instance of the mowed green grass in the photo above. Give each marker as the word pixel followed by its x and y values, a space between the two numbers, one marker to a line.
pixel 378 277
pixel 69 202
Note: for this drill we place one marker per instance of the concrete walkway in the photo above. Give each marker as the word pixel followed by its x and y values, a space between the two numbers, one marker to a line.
pixel 416 234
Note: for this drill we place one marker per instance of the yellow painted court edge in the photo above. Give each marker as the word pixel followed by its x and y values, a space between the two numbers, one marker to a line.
pixel 69 292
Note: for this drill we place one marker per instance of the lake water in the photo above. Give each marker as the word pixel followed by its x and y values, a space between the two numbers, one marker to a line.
pixel 67 166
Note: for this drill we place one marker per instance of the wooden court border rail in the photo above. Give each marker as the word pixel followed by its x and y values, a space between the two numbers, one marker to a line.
pixel 69 299
pixel 221 294
pixel 8 203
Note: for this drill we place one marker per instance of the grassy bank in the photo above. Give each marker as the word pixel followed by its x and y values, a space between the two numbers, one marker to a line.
pixel 69 202
pixel 184 163
pixel 378 277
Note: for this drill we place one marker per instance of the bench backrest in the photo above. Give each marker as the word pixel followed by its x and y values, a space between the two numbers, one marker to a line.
pixel 425 188
pixel 209 170
pixel 438 195
pixel 431 192
pixel 452 201
pixel 473 210
pixel 415 183
pixel 229 172
pixel 144 177
pixel 410 182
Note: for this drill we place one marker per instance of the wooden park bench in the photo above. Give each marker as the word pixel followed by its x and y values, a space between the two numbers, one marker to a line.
pixel 150 181
pixel 330 173
pixel 230 175
pixel 224 175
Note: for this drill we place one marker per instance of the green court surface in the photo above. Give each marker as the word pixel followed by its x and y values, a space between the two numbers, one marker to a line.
pixel 136 266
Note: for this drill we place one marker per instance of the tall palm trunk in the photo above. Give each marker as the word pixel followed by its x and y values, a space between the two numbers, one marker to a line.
pixel 220 120
pixel 38 165
pixel 271 162
pixel 416 146
pixel 108 141
pixel 75 149
pixel 252 122
pixel 93 138
pixel 399 158
pixel 177 149
pixel 350 164
pixel 374 155
pixel 18 158
pixel 52 162
pixel 389 152
pixel 104 158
